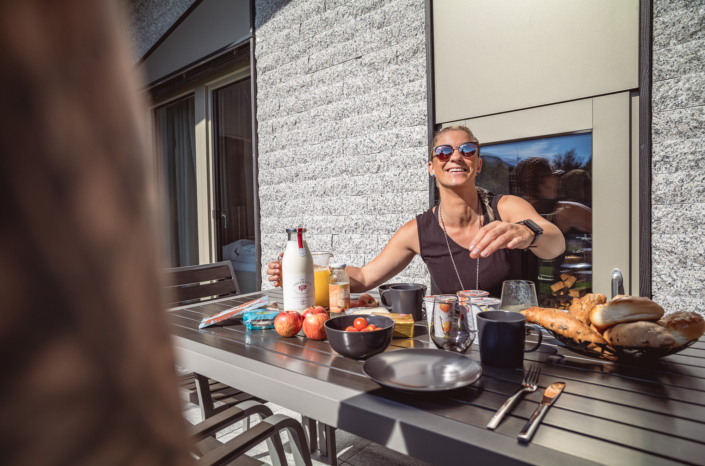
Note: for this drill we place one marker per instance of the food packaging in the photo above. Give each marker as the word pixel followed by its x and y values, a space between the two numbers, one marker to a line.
pixel 260 319
pixel 403 324
pixel 366 311
pixel 233 312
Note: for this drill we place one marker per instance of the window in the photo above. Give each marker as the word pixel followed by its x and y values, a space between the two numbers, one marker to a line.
pixel 554 175
pixel 176 149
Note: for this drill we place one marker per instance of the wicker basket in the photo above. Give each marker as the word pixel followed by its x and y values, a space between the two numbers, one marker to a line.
pixel 616 353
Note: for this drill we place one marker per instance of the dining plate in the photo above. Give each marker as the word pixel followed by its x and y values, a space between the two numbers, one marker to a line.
pixel 422 370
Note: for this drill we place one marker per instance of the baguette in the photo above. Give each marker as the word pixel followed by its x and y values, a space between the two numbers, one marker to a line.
pixel 623 309
pixel 563 324
pixel 684 326
pixel 639 335
pixel 580 308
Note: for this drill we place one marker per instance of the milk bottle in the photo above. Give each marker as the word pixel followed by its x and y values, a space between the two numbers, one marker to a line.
pixel 297 273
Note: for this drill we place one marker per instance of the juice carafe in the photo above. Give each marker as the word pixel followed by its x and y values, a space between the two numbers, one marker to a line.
pixel 297 273
pixel 321 272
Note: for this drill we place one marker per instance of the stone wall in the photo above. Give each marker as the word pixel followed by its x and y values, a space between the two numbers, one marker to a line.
pixel 150 19
pixel 342 120
pixel 679 154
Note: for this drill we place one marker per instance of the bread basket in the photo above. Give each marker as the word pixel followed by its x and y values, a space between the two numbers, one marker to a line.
pixel 616 353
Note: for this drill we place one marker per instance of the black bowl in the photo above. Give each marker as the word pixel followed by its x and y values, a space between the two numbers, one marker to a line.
pixel 359 345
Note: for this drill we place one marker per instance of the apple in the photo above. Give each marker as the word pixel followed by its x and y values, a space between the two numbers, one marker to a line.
pixel 288 323
pixel 314 310
pixel 366 300
pixel 313 326
pixel 445 307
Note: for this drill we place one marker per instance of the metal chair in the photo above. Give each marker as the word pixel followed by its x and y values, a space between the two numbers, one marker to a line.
pixel 194 283
pixel 212 453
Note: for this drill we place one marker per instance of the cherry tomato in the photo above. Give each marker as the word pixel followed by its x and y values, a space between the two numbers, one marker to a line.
pixel 351 329
pixel 366 329
pixel 371 327
pixel 359 323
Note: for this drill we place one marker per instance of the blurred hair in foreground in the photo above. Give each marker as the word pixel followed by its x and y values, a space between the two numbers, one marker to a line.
pixel 88 375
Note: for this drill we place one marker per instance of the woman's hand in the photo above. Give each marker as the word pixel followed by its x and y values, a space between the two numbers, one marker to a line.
pixel 500 235
pixel 274 270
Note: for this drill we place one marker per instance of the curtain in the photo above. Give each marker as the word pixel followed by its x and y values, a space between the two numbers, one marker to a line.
pixel 177 151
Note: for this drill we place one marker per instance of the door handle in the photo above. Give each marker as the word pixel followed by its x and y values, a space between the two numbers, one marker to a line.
pixel 224 218
pixel 617 283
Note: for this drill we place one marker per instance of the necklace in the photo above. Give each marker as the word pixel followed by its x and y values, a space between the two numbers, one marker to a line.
pixel 477 275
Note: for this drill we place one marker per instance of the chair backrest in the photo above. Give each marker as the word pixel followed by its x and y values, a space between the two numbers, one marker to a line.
pixel 201 281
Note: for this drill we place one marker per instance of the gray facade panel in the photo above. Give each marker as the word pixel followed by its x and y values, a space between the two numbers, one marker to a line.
pixel 341 95
pixel 678 129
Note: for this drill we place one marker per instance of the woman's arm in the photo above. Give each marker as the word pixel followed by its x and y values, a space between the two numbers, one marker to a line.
pixel 573 215
pixel 393 259
pixel 507 234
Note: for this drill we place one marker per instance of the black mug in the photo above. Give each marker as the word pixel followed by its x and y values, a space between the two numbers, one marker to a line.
pixel 404 298
pixel 502 336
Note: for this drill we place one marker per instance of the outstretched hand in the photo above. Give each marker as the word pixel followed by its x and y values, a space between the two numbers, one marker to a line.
pixel 274 270
pixel 500 235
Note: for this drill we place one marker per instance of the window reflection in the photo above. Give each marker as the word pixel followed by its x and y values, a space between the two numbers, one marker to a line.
pixel 555 176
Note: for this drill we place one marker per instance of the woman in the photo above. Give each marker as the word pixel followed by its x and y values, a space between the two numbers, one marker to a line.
pixel 484 224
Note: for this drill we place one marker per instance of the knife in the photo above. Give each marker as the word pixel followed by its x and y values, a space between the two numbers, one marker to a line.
pixel 549 397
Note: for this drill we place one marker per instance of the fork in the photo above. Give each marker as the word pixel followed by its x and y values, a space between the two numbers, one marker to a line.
pixel 528 385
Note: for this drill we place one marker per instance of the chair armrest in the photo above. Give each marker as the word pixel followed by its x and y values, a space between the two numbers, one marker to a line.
pixel 239 445
pixel 228 417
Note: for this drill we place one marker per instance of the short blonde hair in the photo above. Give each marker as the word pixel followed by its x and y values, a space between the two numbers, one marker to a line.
pixel 453 128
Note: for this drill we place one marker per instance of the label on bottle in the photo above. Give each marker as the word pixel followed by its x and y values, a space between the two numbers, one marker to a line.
pixel 339 298
pixel 299 291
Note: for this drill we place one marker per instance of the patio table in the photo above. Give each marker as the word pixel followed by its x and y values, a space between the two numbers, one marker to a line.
pixel 609 413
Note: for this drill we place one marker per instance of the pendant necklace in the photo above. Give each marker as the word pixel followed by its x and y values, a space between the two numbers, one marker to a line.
pixel 477 275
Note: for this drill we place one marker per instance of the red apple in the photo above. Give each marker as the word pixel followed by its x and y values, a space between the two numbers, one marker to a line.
pixel 313 326
pixel 366 300
pixel 314 310
pixel 288 323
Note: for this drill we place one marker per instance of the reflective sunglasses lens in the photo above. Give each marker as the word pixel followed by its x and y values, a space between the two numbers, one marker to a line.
pixel 467 150
pixel 443 152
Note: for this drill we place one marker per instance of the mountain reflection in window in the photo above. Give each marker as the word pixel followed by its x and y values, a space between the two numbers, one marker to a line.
pixel 555 176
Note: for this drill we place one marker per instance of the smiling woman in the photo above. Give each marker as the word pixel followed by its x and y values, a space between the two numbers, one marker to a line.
pixel 471 239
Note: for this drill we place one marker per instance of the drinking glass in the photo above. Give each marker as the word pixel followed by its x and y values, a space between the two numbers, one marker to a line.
pixel 321 273
pixel 450 326
pixel 472 294
pixel 518 295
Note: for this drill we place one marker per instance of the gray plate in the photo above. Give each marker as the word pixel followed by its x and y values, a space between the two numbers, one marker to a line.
pixel 422 370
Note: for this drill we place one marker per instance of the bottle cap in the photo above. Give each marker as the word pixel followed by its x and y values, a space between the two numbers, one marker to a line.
pixel 338 265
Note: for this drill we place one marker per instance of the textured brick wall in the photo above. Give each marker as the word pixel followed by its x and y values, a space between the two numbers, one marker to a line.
pixel 341 109
pixel 679 154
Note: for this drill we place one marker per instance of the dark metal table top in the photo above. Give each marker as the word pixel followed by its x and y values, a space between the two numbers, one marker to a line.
pixel 610 413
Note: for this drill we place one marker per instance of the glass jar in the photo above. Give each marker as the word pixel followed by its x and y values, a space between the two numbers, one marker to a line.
pixel 339 289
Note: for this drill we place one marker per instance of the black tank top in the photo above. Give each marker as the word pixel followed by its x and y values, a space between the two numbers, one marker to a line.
pixel 504 264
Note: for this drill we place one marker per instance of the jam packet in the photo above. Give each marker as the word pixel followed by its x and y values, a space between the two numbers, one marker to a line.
pixel 260 319
pixel 233 312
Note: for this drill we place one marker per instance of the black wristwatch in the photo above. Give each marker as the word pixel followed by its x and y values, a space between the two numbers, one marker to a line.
pixel 533 226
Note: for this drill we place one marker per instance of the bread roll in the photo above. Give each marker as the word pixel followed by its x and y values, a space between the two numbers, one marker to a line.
pixel 563 324
pixel 580 308
pixel 623 309
pixel 639 335
pixel 684 326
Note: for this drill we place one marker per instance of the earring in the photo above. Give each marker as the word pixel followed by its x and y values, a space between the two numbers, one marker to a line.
pixel 433 175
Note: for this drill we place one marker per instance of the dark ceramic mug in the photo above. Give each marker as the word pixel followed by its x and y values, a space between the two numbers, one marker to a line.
pixel 404 298
pixel 502 338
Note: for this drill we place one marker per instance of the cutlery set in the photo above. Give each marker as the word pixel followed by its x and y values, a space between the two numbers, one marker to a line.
pixel 529 385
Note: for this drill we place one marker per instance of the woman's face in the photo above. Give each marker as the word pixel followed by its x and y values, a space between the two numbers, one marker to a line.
pixel 457 171
pixel 548 189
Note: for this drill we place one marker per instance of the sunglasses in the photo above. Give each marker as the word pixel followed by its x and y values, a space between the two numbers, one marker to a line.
pixel 467 149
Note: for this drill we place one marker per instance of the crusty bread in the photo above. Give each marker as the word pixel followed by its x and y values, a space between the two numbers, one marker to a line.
pixel 684 326
pixel 562 323
pixel 639 335
pixel 623 309
pixel 580 308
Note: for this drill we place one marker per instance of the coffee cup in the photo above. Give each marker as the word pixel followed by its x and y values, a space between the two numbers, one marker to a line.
pixel 404 298
pixel 502 338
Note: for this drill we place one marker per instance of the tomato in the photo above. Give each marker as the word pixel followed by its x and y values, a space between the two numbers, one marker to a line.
pixel 359 323
pixel 351 329
pixel 366 329
pixel 371 327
